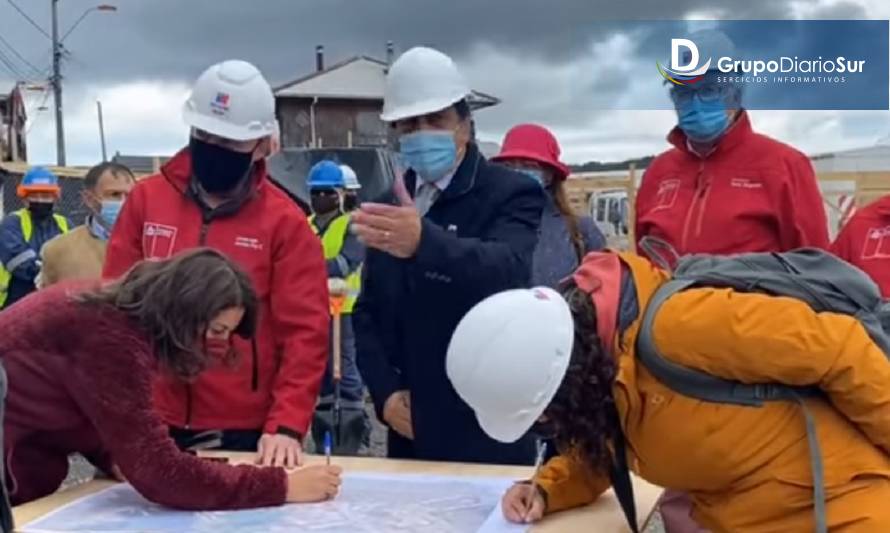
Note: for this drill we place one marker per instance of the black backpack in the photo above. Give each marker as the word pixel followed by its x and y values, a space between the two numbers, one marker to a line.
pixel 825 282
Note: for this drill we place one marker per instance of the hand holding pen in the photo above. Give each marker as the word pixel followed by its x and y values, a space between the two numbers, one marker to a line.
pixel 524 503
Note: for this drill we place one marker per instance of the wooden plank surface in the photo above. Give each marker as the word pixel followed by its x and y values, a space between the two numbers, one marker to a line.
pixel 603 516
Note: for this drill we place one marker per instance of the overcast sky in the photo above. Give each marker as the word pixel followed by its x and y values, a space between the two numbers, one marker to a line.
pixel 541 58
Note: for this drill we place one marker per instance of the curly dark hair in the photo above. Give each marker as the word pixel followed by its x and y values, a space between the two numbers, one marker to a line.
pixel 582 414
pixel 174 302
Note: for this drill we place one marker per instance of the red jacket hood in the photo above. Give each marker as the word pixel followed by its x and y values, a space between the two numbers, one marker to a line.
pixel 738 131
pixel 178 171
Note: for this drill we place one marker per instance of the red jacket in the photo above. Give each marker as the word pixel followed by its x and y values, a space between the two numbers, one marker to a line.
pixel 276 385
pixel 865 242
pixel 80 381
pixel 751 194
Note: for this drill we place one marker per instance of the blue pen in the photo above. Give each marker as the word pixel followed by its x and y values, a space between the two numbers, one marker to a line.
pixel 327 446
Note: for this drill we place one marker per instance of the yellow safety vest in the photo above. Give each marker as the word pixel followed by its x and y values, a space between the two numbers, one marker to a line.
pixel 27 231
pixel 332 243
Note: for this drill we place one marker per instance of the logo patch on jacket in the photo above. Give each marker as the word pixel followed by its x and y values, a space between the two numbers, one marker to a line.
pixel 158 240
pixel 877 243
pixel 248 242
pixel 667 194
pixel 745 183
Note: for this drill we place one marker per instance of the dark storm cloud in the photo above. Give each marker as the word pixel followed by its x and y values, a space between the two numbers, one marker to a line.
pixel 175 39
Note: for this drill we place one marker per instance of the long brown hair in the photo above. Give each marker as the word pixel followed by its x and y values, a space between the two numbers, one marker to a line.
pixel 175 300
pixel 561 198
pixel 582 414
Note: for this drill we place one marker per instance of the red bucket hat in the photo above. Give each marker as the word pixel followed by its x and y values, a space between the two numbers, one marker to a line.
pixel 531 141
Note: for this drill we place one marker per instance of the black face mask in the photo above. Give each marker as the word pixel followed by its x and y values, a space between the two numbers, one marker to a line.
pixel 40 210
pixel 323 204
pixel 218 170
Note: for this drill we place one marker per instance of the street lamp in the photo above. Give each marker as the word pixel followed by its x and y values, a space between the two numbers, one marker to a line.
pixel 56 80
pixel 101 7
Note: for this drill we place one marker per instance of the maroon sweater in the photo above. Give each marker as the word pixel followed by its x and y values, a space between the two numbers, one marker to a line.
pixel 80 381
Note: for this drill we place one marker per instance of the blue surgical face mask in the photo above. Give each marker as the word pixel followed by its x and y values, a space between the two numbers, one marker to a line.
pixel 702 121
pixel 432 154
pixel 110 211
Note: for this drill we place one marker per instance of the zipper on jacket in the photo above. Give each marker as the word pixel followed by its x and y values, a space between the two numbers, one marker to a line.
pixel 202 239
pixel 188 406
pixel 255 375
pixel 700 190
pixel 702 207
pixel 205 226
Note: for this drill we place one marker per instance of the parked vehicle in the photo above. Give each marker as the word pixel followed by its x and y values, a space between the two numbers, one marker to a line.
pixel 610 210
pixel 375 168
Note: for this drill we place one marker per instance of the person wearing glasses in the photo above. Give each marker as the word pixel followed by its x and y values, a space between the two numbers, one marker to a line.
pixel 723 188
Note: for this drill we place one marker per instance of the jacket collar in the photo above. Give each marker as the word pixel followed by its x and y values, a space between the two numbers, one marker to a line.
pixel 739 131
pixel 178 171
pixel 463 180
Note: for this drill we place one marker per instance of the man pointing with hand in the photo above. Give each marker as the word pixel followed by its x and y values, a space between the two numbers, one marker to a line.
pixel 455 230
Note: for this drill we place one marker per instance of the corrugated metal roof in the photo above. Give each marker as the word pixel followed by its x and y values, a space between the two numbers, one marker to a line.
pixel 146 164
pixel 19 168
pixel 360 77
pixel 357 78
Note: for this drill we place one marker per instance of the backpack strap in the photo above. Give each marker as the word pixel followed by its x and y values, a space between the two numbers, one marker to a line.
pixel 694 383
pixel 652 248
pixel 619 476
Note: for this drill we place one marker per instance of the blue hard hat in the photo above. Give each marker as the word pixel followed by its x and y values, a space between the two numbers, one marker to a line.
pixel 36 180
pixel 325 175
pixel 40 177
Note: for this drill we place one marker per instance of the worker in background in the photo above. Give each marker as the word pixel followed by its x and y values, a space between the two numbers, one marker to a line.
pixel 864 241
pixel 565 237
pixel 344 255
pixel 746 468
pixel 351 198
pixel 455 230
pixel 24 232
pixel 80 253
pixel 216 193
pixel 723 188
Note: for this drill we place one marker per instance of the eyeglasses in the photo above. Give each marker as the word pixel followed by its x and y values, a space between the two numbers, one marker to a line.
pixel 710 92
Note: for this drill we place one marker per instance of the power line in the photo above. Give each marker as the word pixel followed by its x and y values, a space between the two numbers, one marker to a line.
pixel 18 55
pixel 16 73
pixel 29 19
pixel 38 114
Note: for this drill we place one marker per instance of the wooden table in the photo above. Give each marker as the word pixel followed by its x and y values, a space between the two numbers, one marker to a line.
pixel 603 516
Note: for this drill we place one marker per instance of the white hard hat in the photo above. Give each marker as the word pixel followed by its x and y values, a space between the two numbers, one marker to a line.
pixel 508 356
pixel 419 82
pixel 232 99
pixel 350 180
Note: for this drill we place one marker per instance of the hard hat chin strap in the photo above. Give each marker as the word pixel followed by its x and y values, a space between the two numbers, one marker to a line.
pixel 600 276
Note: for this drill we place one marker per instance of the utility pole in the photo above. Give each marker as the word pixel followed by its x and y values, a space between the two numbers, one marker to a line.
pixel 57 86
pixel 102 130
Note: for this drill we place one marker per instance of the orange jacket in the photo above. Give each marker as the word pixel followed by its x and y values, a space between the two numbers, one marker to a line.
pixel 748 469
